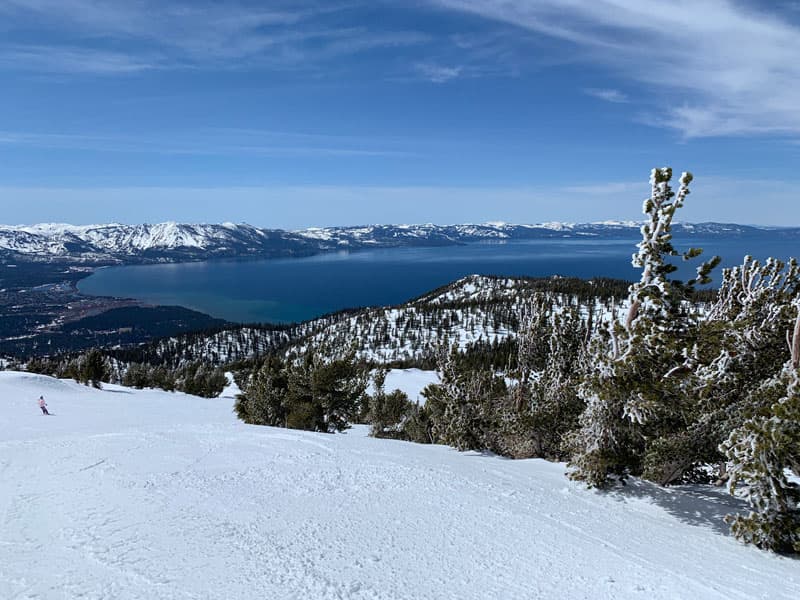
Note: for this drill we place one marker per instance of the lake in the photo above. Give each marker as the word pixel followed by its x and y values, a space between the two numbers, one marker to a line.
pixel 296 289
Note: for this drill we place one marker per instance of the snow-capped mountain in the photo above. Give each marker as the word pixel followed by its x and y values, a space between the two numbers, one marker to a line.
pixel 163 242
pixel 173 242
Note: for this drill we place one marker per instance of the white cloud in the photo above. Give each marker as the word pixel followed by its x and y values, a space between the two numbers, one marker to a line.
pixel 182 34
pixel 438 73
pixel 719 67
pixel 705 67
pixel 608 95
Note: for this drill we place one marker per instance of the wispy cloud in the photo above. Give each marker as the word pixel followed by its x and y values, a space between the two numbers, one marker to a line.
pixel 608 95
pixel 73 60
pixel 438 73
pixel 123 36
pixel 700 67
pixel 719 67
pixel 212 142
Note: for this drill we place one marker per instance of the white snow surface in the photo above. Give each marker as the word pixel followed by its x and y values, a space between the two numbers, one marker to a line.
pixel 129 494
pixel 231 390
pixel 409 381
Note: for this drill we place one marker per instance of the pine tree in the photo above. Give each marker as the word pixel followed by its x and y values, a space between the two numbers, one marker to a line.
pixel 761 451
pixel 555 404
pixel 338 388
pixel 535 329
pixel 462 409
pixel 94 369
pixel 310 393
pixel 632 391
pixel 735 351
pixel 388 412
pixel 264 399
pixel 136 376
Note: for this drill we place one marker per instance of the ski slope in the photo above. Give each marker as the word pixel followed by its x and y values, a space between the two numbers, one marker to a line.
pixel 144 494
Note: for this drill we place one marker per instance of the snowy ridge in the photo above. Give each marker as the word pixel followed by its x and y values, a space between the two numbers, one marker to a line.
pixel 143 494
pixel 474 310
pixel 172 242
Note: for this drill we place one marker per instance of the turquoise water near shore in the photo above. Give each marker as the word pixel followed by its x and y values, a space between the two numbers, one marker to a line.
pixel 295 289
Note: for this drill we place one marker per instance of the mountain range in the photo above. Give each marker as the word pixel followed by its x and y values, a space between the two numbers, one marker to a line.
pixel 174 242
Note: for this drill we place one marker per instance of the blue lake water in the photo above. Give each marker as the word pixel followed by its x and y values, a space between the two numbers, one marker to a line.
pixel 295 289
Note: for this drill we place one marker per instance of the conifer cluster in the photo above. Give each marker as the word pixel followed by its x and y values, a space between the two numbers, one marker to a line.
pixel 308 393
pixel 673 391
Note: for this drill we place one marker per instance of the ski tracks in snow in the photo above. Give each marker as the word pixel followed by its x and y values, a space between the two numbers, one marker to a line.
pixel 162 496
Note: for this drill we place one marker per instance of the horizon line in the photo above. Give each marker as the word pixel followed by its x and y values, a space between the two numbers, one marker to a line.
pixel 490 224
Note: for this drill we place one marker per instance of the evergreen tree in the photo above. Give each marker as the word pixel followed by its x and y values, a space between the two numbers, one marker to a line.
pixel 388 412
pixel 164 379
pixel 535 330
pixel 762 450
pixel 136 376
pixel 264 402
pixel 632 391
pixel 462 409
pixel 199 379
pixel 735 351
pixel 555 405
pixel 94 369
pixel 311 393
pixel 338 387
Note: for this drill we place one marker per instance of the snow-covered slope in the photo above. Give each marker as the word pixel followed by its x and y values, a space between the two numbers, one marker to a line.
pixel 409 381
pixel 476 309
pixel 143 494
pixel 179 241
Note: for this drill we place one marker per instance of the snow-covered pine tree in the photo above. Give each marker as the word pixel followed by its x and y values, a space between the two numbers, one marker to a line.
pixel 739 342
pixel 461 408
pixel 543 404
pixel 631 390
pixel 762 451
pixel 533 337
pixel 604 444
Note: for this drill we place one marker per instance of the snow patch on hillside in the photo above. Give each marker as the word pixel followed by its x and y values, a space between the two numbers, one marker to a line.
pixel 231 390
pixel 409 381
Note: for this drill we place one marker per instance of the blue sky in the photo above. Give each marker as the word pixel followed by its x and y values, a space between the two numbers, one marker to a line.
pixel 304 113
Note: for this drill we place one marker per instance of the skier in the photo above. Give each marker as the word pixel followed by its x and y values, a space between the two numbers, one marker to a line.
pixel 43 405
